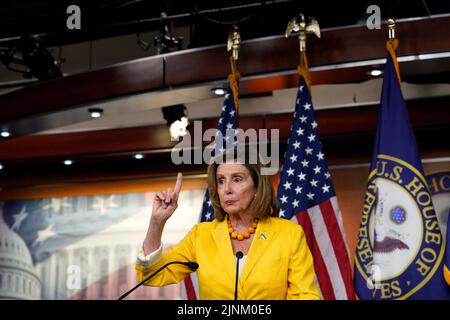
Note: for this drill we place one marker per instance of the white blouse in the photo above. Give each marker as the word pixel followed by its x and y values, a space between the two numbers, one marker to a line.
pixel 153 257
pixel 241 265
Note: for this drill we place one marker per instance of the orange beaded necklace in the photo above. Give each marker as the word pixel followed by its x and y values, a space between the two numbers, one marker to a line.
pixel 246 234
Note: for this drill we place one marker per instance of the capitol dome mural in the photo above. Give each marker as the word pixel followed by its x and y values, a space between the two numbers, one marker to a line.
pixel 18 278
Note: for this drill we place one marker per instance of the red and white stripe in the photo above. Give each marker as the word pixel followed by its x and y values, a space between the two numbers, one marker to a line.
pixel 189 287
pixel 324 230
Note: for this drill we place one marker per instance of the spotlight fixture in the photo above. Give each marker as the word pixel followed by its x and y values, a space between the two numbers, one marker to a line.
pixel 68 162
pixel 165 42
pixel 139 156
pixel 218 91
pixel 5 133
pixel 375 72
pixel 177 120
pixel 1 167
pixel 95 112
pixel 30 57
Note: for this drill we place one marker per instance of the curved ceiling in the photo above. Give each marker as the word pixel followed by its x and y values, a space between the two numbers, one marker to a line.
pixel 208 21
pixel 105 67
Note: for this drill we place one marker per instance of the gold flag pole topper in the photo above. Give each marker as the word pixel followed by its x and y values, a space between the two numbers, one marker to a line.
pixel 392 44
pixel 299 24
pixel 234 45
pixel 234 42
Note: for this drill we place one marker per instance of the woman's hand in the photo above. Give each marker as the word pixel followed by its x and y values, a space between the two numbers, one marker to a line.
pixel 165 202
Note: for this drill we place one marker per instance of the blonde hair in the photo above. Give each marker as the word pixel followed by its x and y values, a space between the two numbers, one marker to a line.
pixel 265 202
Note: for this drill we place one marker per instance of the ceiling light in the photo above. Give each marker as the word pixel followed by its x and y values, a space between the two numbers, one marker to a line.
pixel 179 128
pixel 68 162
pixel 5 133
pixel 177 120
pixel 375 72
pixel 95 112
pixel 139 156
pixel 218 91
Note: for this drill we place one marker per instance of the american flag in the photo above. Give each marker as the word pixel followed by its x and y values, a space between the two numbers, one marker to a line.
pixel 306 196
pixel 227 125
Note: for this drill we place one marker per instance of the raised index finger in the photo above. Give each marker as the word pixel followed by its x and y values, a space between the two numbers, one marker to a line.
pixel 178 183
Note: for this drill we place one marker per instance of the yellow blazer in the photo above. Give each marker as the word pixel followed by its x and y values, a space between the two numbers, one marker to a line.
pixel 279 264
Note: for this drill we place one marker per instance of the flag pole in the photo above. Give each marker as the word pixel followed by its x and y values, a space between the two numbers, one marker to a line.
pixel 234 45
pixel 299 24
pixel 392 44
pixel 305 190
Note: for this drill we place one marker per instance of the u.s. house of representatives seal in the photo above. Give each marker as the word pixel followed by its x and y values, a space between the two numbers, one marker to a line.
pixel 400 244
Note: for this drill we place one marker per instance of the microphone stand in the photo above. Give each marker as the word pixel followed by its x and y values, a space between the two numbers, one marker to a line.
pixel 239 256
pixel 191 265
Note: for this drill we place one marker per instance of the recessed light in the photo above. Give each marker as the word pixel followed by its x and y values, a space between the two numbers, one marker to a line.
pixel 218 91
pixel 138 156
pixel 375 72
pixel 95 112
pixel 68 162
pixel 5 133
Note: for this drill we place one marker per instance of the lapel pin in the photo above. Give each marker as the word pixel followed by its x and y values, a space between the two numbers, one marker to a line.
pixel 262 236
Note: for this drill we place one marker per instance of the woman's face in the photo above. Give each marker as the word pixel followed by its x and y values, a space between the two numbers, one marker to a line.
pixel 235 187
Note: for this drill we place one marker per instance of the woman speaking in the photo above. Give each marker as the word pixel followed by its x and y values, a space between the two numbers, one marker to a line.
pixel 276 262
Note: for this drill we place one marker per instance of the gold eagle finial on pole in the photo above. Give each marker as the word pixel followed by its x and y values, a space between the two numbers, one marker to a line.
pixel 299 24
pixel 234 42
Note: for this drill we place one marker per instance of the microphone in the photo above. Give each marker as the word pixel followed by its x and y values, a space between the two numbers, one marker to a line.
pixel 191 265
pixel 239 256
